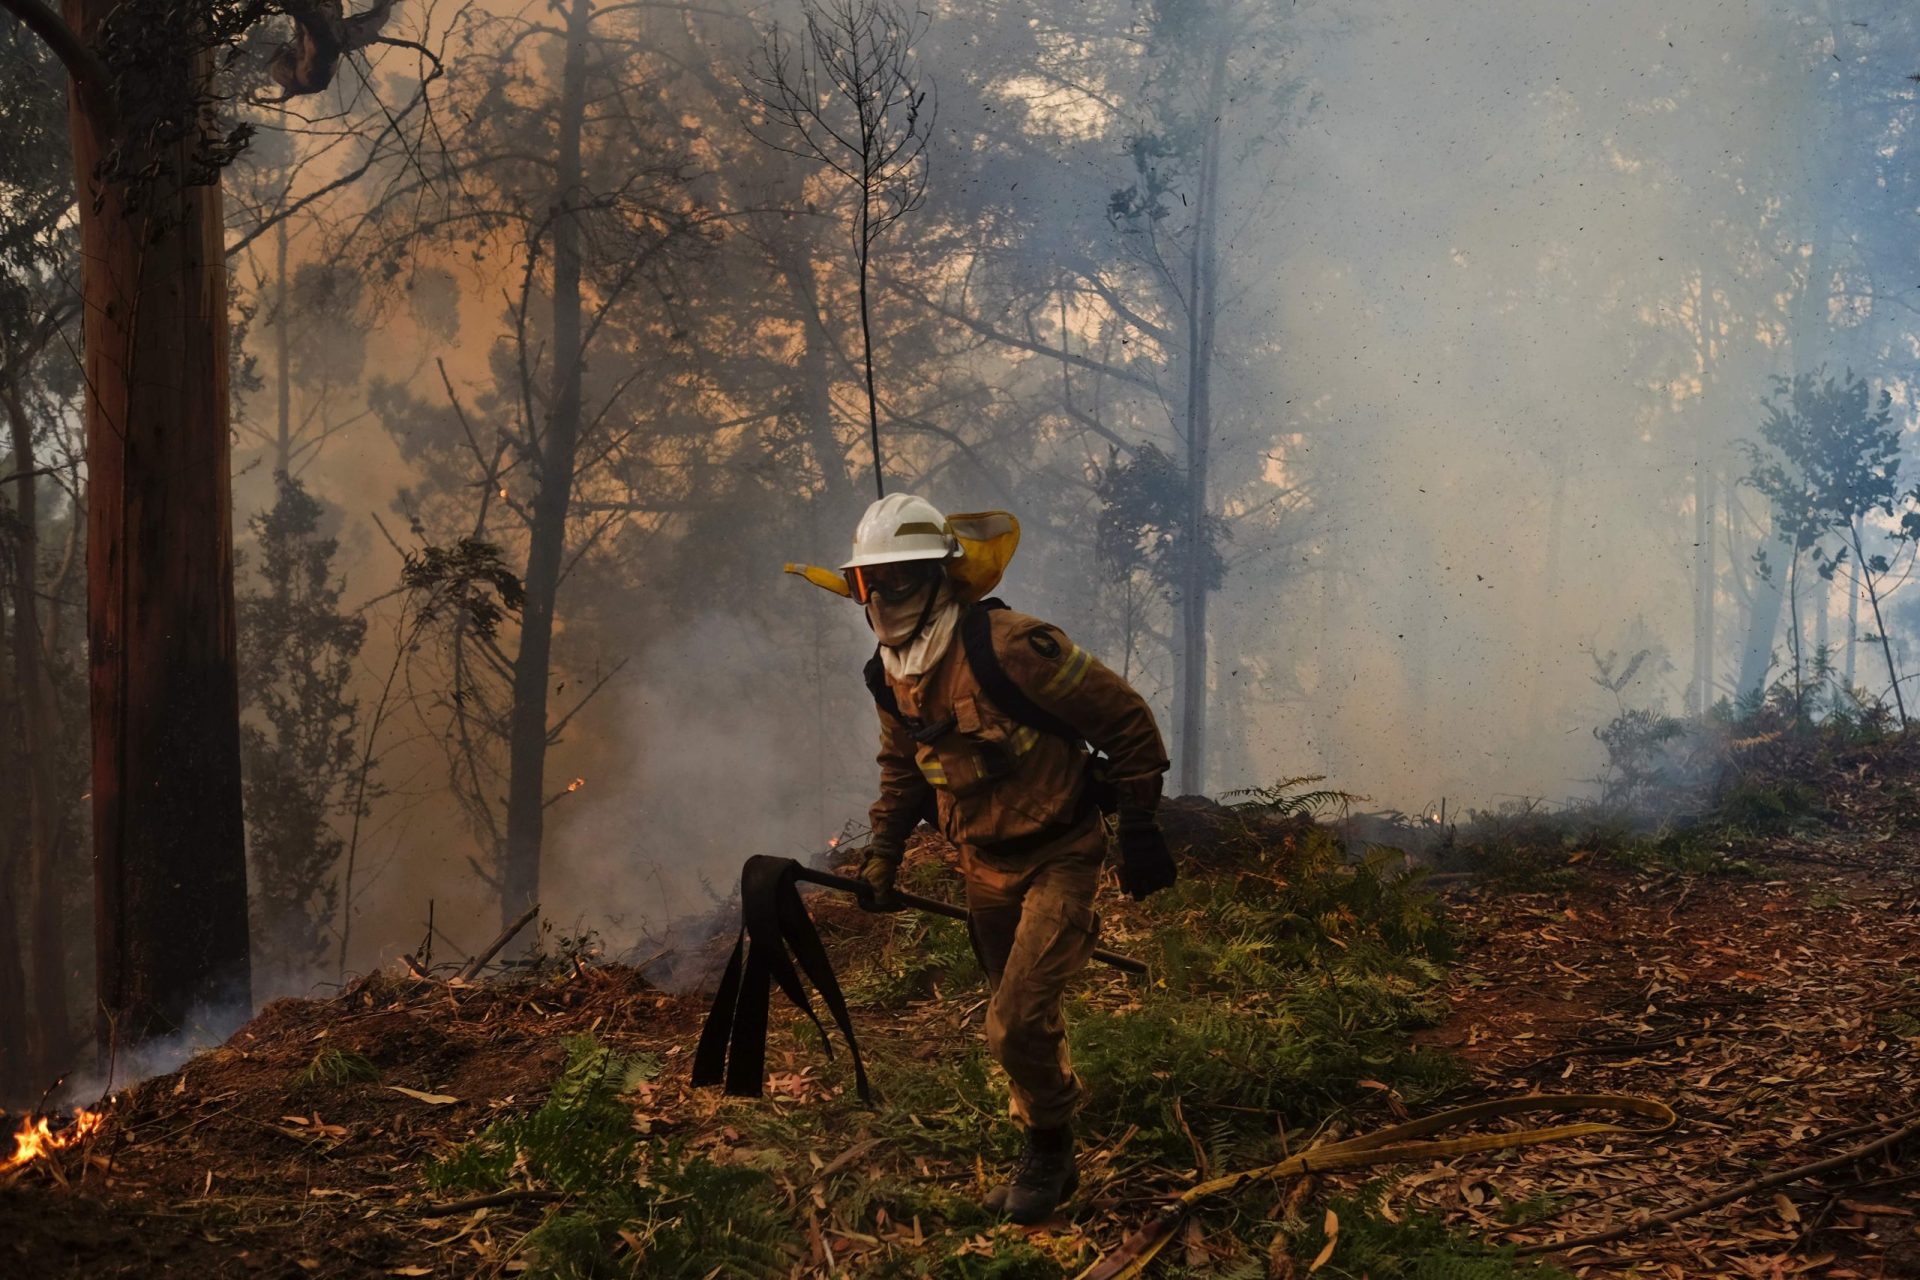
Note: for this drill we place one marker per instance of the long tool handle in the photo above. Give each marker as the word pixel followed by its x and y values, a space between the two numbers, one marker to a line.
pixel 933 906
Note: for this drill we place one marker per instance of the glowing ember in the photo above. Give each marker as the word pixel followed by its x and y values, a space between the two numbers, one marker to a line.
pixel 36 1138
pixel 576 784
pixel 833 842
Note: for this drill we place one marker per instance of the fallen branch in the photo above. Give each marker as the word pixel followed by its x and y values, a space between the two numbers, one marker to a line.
pixel 1854 1130
pixel 1303 1186
pixel 480 961
pixel 1597 1051
pixel 1781 1178
pixel 490 1201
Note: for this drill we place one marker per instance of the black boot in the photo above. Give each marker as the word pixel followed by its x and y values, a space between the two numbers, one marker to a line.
pixel 1042 1180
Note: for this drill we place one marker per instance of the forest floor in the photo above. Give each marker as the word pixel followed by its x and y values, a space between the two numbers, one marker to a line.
pixel 1767 987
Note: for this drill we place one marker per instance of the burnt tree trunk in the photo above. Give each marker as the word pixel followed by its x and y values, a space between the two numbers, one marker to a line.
pixel 169 858
pixel 15 1078
pixel 47 1028
pixel 553 450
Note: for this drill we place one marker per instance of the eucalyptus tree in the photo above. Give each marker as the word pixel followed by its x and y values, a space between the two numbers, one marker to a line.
pixel 148 143
pixel 42 696
pixel 1827 460
pixel 571 190
pixel 299 746
pixel 1115 146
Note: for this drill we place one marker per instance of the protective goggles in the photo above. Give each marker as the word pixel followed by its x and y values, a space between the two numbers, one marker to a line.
pixel 893 583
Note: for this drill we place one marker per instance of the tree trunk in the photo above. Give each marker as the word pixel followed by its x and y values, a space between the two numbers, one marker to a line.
pixel 282 358
pixel 1763 624
pixel 1192 743
pixel 1823 597
pixel 169 859
pixel 547 535
pixel 814 392
pixel 1793 617
pixel 47 1029
pixel 1853 630
pixel 1704 583
pixel 1880 626
pixel 1705 560
pixel 16 1077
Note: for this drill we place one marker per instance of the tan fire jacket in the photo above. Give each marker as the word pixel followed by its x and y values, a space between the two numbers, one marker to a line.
pixel 1001 786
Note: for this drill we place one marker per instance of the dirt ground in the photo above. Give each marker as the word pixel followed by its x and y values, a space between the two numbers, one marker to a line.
pixel 1776 1016
pixel 1779 1015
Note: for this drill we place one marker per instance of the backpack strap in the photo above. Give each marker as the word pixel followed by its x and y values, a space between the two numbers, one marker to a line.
pixel 976 636
pixel 875 674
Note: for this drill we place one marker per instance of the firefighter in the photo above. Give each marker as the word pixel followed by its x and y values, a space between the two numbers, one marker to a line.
pixel 986 720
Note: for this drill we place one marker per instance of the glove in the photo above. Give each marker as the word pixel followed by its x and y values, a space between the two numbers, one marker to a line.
pixel 1146 864
pixel 880 870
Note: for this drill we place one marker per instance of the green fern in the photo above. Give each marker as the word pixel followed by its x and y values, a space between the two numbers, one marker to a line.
pixel 1282 798
pixel 579 1138
pixel 643 1209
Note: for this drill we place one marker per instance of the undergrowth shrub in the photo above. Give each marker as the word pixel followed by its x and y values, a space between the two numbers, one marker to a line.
pixel 1760 806
pixel 1284 977
pixel 1239 1068
pixel 922 954
pixel 642 1209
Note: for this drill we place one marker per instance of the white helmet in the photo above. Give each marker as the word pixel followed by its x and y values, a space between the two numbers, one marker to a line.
pixel 902 527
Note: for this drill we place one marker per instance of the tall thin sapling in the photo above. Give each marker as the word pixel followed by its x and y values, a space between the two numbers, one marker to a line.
pixel 848 95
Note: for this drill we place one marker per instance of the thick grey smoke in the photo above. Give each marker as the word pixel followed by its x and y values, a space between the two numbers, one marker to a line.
pixel 1479 253
pixel 1506 281
pixel 725 750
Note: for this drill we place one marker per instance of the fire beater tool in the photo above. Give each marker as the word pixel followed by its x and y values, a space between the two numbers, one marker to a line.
pixel 778 943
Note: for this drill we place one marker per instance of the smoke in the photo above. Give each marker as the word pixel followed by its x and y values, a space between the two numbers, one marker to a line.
pixel 1505 281
pixel 207 1027
pixel 719 753
pixel 1478 254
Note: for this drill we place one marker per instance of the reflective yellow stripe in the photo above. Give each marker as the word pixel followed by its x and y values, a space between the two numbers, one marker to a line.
pixel 933 771
pixel 1069 676
pixel 1023 739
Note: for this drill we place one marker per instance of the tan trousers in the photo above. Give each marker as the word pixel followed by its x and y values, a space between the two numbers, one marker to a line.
pixel 1034 927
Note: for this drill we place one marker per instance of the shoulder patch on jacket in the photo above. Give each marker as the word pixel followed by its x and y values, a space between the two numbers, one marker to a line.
pixel 1043 643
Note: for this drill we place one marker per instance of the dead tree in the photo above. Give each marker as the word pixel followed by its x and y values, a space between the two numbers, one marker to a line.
pixel 847 95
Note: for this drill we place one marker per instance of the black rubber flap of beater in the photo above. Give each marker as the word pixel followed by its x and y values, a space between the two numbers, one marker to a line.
pixel 775 932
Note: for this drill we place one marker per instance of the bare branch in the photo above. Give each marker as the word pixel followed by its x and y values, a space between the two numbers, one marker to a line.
pixel 90 74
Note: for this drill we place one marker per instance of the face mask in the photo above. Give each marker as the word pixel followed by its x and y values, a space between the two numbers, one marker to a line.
pixel 894 623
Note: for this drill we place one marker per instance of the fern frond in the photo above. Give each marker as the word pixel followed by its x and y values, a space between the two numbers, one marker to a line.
pixel 1284 799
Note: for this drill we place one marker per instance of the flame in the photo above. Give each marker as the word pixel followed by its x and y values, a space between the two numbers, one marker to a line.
pixel 833 842
pixel 503 491
pixel 36 1138
pixel 576 784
